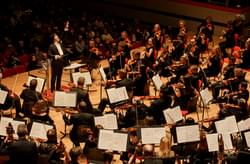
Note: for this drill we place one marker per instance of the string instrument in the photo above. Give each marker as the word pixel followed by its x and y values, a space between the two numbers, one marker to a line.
pixel 96 51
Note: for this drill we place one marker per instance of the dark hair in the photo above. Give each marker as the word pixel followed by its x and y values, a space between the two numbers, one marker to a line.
pixel 75 152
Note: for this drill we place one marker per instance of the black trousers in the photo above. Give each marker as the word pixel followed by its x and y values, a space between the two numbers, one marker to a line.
pixel 56 74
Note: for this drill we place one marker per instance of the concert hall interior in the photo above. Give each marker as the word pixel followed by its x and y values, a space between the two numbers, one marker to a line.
pixel 134 81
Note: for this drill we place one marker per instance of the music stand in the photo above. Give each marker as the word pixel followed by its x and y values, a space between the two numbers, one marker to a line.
pixel 66 100
pixel 72 67
pixel 157 83
pixel 103 79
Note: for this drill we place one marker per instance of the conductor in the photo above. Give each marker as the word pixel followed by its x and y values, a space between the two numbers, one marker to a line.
pixel 56 53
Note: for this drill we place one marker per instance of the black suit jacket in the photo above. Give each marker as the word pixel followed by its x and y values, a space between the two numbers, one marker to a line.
pixel 23 151
pixel 53 51
pixel 83 95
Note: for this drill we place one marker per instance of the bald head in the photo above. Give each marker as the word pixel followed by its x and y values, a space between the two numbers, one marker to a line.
pixel 83 106
pixel 148 150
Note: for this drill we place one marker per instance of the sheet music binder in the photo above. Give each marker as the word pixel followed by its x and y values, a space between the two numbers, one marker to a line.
pixel 117 95
pixel 3 96
pixel 157 82
pixel 86 75
pixel 65 99
pixel 40 82
pixel 112 140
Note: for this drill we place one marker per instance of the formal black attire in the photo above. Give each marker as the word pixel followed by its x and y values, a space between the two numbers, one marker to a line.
pixel 245 59
pixel 56 66
pixel 79 121
pixel 23 151
pixel 10 101
pixel 30 97
pixel 82 95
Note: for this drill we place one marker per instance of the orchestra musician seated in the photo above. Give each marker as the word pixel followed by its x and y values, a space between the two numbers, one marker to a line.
pixel 77 156
pixel 83 124
pixel 12 100
pixel 30 97
pixel 23 150
pixel 51 149
pixel 230 84
pixel 164 102
pixel 82 94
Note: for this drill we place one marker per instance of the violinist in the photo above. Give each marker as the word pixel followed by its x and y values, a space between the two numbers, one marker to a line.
pixel 149 56
pixel 12 100
pixel 246 55
pixel 179 68
pixel 122 54
pixel 164 102
pixel 214 63
pixel 207 28
pixel 30 96
pixel 125 38
pixel 93 53
pixel 158 37
pixel 140 82
pixel 230 84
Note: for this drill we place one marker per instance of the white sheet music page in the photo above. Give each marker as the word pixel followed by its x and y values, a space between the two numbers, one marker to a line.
pixel 64 99
pixel 39 130
pixel 3 124
pixel 3 96
pixel 157 82
pixel 105 139
pixel 228 125
pixel 152 135
pixel 40 83
pixel 206 96
pixel 108 121
pixel 117 94
pixel 247 122
pixel 212 142
pixel 120 141
pixel 173 115
pixel 103 74
pixel 189 133
pixel 228 145
pixel 242 125
pixel 247 137
pixel 86 75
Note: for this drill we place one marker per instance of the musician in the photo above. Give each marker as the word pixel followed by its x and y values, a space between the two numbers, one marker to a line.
pixel 23 150
pixel 179 69
pixel 193 73
pixel 11 99
pixel 149 56
pixel 246 55
pixel 228 36
pixel 30 96
pixel 51 148
pixel 56 53
pixel 122 54
pixel 82 95
pixel 114 66
pixel 238 25
pixel 187 93
pixel 230 84
pixel 83 123
pixel 164 102
pixel 76 156
pixel 125 38
pixel 214 63
pixel 140 82
pixel 158 37
pixel 207 28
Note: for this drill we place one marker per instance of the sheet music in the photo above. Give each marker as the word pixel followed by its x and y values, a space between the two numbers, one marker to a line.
pixel 152 135
pixel 108 140
pixel 40 83
pixel 173 115
pixel 3 96
pixel 228 125
pixel 103 74
pixel 86 75
pixel 212 142
pixel 188 133
pixel 227 141
pixel 247 122
pixel 3 124
pixel 73 66
pixel 157 82
pixel 64 99
pixel 247 137
pixel 39 130
pixel 108 121
pixel 242 125
pixel 206 96
pixel 117 94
